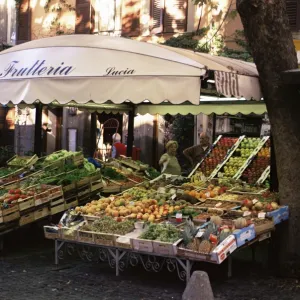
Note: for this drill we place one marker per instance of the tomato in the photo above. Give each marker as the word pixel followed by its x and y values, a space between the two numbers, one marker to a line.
pixel 17 196
pixel 11 192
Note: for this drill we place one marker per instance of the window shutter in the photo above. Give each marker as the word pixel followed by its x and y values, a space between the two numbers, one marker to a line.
pixel 157 10
pixel 131 11
pixel 107 11
pixel 3 22
pixel 24 22
pixel 84 17
pixel 175 16
pixel 293 12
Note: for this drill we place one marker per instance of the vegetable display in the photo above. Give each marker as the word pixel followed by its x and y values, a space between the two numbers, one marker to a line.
pixel 164 233
pixel 109 225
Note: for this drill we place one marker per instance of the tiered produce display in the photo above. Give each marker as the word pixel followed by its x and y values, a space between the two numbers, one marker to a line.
pixel 34 188
pixel 206 221
pixel 245 158
pixel 217 154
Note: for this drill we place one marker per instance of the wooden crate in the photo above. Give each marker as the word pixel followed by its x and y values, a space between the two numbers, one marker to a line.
pixel 41 213
pixel 26 203
pixel 30 160
pixel 51 232
pixel 84 199
pixel 70 187
pixel 96 185
pixel 165 248
pixel 122 245
pixel 106 239
pixel 55 192
pixel 41 198
pixel 57 201
pixel 82 182
pixel 95 176
pixel 10 214
pixel 68 234
pixel 57 208
pixel 71 202
pixel 26 219
pixel 142 245
pixel 83 190
pixel 86 236
pixel 7 211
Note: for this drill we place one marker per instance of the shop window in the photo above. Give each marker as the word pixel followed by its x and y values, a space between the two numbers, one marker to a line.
pixel 8 22
pixel 293 12
pixel 108 17
pixel 169 16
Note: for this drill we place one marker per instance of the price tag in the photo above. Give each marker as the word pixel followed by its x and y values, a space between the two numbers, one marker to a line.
pixel 218 204
pixel 261 215
pixel 254 201
pixel 246 213
pixel 131 203
pixel 199 234
pixel 173 196
pixel 207 194
pixel 112 198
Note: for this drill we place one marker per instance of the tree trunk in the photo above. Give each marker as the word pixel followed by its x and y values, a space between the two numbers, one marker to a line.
pixel 270 39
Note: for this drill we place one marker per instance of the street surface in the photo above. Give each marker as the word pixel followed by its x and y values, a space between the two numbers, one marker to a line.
pixel 27 271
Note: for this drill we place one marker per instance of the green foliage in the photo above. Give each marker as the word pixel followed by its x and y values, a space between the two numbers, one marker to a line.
pixel 187 41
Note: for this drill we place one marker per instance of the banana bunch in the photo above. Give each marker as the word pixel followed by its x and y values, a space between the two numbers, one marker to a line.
pixel 198 179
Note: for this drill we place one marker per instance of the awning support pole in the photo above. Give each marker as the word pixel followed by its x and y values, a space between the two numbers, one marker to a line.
pixel 130 133
pixel 38 129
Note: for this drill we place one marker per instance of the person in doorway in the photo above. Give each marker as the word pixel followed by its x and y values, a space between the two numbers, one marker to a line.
pixel 168 162
pixel 196 153
pixel 118 148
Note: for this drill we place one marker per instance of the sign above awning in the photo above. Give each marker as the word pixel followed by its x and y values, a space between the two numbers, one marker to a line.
pixel 85 68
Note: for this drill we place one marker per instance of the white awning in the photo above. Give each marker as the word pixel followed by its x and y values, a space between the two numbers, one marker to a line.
pixel 85 68
pixel 233 78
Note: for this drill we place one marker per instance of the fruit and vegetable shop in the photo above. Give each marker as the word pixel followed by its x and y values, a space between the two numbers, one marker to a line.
pixel 123 210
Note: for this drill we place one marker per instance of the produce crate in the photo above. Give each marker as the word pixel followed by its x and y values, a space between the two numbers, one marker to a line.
pixel 95 176
pixel 263 225
pixel 68 234
pixel 142 245
pixel 51 232
pixel 257 193
pixel 14 173
pixel 165 248
pixel 57 201
pixel 220 204
pixel 83 190
pixel 112 188
pixel 55 209
pixel 26 219
pixel 78 158
pixel 70 187
pixel 9 214
pixel 55 192
pixel 14 184
pixel 71 202
pixel 41 198
pixel 130 163
pixel 96 185
pixel 86 236
pixel 84 199
pixel 244 235
pixel 41 213
pixel 26 203
pixel 122 245
pixel 28 161
pixel 83 181
pixel 105 239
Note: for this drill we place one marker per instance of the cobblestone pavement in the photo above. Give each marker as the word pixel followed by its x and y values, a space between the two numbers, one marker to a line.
pixel 27 271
